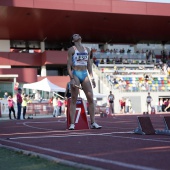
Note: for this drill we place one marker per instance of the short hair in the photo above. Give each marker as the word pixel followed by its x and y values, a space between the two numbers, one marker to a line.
pixel 19 89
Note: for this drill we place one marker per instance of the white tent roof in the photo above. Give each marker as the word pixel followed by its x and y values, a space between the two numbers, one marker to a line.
pixel 44 85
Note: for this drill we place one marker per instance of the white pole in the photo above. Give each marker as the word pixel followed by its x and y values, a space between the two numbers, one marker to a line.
pixel 58 95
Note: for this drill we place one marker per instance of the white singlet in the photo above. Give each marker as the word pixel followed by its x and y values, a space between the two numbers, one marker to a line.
pixel 80 58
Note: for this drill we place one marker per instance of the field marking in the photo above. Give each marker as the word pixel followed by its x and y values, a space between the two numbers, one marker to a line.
pixel 42 122
pixel 65 135
pixel 112 162
pixel 58 121
pixel 26 124
pixel 93 134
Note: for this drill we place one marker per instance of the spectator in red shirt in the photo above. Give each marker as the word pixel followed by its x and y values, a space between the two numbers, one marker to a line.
pixel 16 86
pixel 122 105
pixel 19 102
pixel 11 106
pixel 59 106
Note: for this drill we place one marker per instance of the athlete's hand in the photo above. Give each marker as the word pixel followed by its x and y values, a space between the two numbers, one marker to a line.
pixel 93 83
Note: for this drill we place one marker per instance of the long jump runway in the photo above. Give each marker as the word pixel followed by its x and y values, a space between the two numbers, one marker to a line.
pixel 115 146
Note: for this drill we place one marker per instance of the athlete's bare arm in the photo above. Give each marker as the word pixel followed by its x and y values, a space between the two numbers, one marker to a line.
pixel 89 68
pixel 69 62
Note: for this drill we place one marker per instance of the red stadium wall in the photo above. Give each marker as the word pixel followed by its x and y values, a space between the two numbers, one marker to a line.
pixel 106 6
pixel 29 75
pixel 25 75
pixel 54 57
pixel 36 59
pixel 20 59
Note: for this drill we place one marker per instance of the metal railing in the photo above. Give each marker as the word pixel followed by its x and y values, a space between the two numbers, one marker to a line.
pixel 104 55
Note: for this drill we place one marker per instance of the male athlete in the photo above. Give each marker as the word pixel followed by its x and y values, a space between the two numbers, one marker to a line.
pixel 148 101
pixel 111 98
pixel 78 64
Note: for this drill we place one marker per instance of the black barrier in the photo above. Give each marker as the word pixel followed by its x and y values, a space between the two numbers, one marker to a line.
pixel 167 122
pixel 145 126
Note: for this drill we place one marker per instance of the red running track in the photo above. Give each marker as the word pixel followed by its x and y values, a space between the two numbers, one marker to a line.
pixel 113 147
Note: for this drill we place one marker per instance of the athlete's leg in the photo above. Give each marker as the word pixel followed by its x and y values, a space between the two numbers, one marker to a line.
pixel 113 111
pixel 110 108
pixel 86 85
pixel 74 95
pixel 147 107
pixel 150 106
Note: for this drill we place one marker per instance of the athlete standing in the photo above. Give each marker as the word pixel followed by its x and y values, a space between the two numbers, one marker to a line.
pixel 78 66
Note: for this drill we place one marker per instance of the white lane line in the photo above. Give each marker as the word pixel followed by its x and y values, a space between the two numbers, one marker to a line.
pixel 102 134
pixel 41 122
pixel 65 135
pixel 30 126
pixel 60 121
pixel 106 161
pixel 25 124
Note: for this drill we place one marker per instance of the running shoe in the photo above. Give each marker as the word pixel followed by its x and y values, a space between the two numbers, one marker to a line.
pixel 72 127
pixel 95 126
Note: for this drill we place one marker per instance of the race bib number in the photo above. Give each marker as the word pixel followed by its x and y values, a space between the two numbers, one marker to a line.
pixel 78 114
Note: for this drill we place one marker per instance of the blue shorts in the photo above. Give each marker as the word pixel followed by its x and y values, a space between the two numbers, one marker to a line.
pixel 81 75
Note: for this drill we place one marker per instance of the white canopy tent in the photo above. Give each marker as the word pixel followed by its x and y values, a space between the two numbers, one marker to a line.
pixel 44 85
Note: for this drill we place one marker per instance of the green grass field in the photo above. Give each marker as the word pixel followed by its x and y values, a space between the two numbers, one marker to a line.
pixel 13 160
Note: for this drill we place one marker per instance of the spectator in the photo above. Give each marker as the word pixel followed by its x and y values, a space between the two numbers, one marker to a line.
pixel 37 95
pixel 115 81
pixel 94 59
pixel 25 100
pixel 146 77
pixel 102 61
pixel 122 105
pixel 55 109
pixel 11 106
pixel 111 98
pixel 5 95
pixel 167 106
pixel 128 51
pixel 19 102
pixel 50 101
pixel 59 106
pixel 97 62
pixel 168 68
pixel 148 101
pixel 160 105
pixel 108 60
pixel 16 86
pixel 127 104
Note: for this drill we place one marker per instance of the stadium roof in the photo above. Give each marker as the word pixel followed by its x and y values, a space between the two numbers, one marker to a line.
pixel 98 21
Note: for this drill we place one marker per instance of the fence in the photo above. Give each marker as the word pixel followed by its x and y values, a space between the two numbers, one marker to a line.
pixel 39 108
